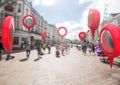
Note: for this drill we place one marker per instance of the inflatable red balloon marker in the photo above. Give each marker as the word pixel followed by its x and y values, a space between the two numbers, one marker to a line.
pixel 110 41
pixel 44 35
pixel 62 31
pixel 93 20
pixel 8 33
pixel 29 21
pixel 82 35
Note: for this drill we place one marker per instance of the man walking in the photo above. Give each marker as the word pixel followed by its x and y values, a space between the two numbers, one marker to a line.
pixel 1 48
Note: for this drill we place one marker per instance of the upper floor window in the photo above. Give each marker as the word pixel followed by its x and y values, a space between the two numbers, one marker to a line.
pixel 119 20
pixel 1 1
pixel 39 22
pixel 27 11
pixel 19 7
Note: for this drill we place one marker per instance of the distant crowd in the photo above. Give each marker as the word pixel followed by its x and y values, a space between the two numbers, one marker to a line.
pixel 40 47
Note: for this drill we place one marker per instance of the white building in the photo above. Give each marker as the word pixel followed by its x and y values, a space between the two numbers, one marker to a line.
pixel 54 38
pixel 114 18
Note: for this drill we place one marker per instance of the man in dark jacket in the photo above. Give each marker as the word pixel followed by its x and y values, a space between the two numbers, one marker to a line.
pixel 1 48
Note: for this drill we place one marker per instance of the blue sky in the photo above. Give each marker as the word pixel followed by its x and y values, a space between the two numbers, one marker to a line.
pixel 72 13
pixel 63 11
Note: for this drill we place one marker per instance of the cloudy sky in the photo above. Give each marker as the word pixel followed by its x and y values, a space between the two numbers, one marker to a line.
pixel 72 14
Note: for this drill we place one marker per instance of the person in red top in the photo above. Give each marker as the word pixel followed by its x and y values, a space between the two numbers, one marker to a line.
pixel 62 48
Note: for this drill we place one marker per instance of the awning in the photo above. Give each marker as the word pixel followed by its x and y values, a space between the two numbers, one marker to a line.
pixel 26 35
pixel 37 37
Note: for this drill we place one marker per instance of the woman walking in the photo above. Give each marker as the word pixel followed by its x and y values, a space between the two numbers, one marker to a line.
pixel 28 49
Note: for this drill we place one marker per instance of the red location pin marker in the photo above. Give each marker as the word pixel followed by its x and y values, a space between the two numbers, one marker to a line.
pixel 93 20
pixel 82 35
pixel 110 41
pixel 44 35
pixel 8 33
pixel 60 34
pixel 29 21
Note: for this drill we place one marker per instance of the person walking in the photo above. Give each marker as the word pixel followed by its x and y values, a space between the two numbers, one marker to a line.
pixel 49 48
pixel 62 48
pixel 93 48
pixel 57 50
pixel 44 46
pixel 39 49
pixel 90 48
pixel 84 47
pixel 28 49
pixel 1 49
pixel 9 57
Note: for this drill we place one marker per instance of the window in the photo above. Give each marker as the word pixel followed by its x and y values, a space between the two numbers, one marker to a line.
pixel 39 22
pixel 18 22
pixel 27 11
pixel 19 7
pixel 1 20
pixel 16 41
pixel 118 20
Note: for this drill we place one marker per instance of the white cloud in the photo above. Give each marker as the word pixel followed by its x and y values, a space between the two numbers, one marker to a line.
pixel 114 6
pixel 100 5
pixel 73 28
pixel 85 1
pixel 44 2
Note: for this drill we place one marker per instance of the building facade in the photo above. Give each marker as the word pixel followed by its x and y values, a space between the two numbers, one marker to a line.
pixel 54 38
pixel 114 18
pixel 18 9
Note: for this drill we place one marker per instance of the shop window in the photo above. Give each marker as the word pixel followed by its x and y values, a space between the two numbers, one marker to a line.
pixel 16 40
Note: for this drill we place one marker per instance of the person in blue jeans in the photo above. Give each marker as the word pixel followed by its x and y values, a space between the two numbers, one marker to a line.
pixel 39 49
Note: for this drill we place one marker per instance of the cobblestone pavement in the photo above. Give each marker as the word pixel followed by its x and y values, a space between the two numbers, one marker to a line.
pixel 71 69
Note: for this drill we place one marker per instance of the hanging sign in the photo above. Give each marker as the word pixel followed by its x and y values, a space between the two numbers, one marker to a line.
pixel 62 31
pixel 29 21
pixel 93 20
pixel 110 41
pixel 8 33
pixel 82 35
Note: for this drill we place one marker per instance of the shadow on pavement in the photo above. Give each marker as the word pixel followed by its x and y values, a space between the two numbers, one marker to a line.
pixel 36 59
pixel 24 59
pixel 114 63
